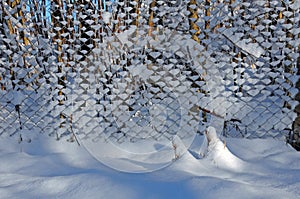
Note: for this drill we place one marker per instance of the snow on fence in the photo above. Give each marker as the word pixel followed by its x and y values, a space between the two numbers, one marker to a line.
pixel 136 70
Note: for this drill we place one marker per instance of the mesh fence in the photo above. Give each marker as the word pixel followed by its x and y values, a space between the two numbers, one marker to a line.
pixel 137 70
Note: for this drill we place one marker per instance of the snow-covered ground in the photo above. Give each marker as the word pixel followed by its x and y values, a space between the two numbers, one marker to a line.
pixel 45 168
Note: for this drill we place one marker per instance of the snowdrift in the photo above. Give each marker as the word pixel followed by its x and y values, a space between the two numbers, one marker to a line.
pixel 245 168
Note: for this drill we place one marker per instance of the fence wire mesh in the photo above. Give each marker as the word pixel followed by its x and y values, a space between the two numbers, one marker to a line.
pixel 137 70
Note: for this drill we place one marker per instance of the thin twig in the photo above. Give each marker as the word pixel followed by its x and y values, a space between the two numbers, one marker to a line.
pixel 72 131
pixel 211 112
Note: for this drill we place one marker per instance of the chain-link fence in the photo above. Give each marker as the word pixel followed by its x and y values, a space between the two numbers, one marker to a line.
pixel 127 71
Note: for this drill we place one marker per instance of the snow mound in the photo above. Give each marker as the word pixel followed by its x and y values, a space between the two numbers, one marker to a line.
pixel 216 151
